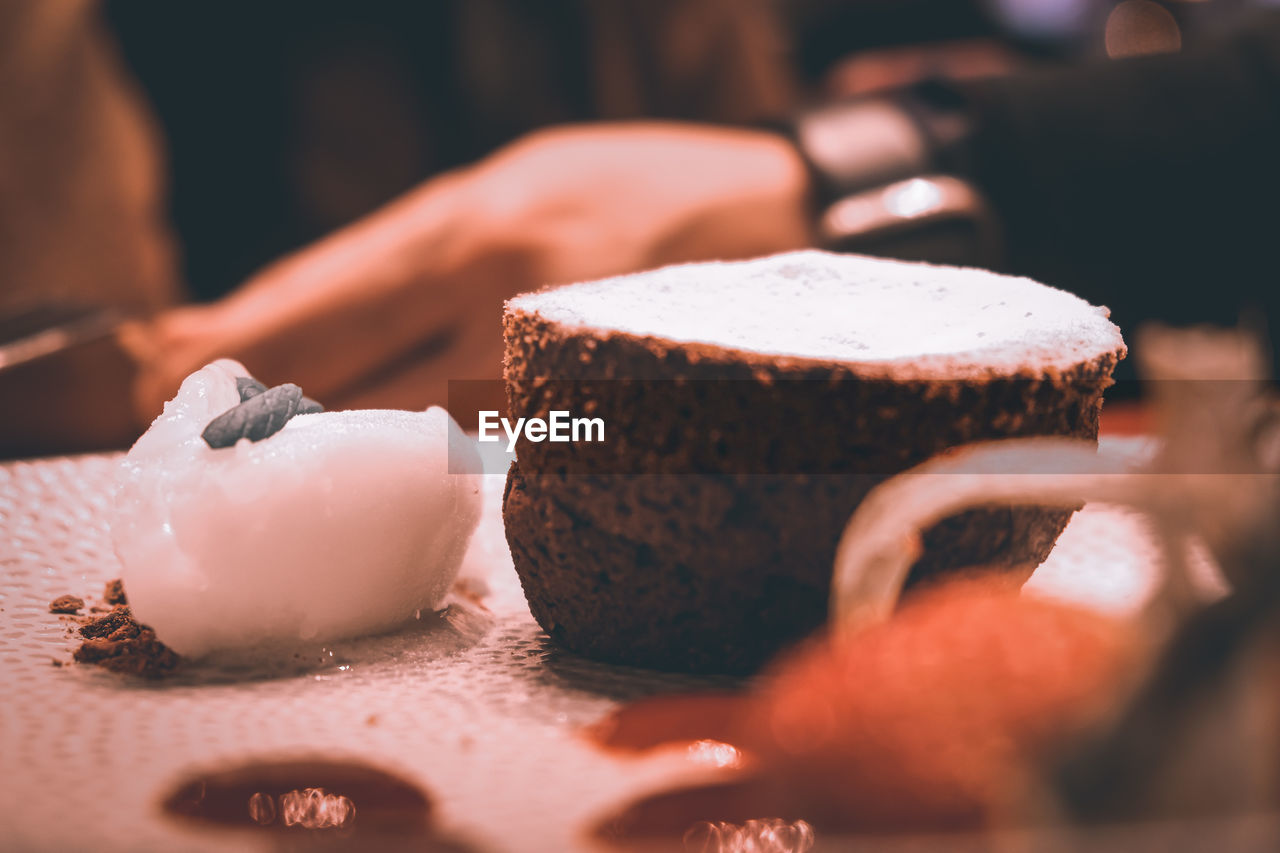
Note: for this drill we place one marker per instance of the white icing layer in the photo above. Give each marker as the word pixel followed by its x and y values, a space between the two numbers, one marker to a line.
pixel 917 318
pixel 340 524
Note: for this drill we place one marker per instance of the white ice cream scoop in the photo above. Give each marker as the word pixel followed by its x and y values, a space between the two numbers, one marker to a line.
pixel 340 524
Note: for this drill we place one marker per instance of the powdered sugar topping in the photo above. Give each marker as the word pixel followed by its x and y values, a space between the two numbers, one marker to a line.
pixel 844 308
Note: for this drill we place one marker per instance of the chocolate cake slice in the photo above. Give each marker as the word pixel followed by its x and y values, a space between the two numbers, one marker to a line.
pixel 747 408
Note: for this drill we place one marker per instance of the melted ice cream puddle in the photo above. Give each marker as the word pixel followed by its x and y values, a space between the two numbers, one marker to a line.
pixel 341 524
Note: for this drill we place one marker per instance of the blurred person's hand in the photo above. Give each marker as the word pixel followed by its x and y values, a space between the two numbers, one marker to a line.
pixel 387 310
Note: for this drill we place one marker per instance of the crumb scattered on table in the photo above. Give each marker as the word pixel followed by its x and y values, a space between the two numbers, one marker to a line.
pixel 139 654
pixel 117 618
pixel 114 592
pixel 118 642
pixel 66 604
pixel 115 640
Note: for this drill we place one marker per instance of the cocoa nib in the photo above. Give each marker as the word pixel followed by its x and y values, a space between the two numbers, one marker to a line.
pixel 136 651
pixel 66 604
pixel 104 626
pixel 114 593
pixel 117 642
pixel 114 639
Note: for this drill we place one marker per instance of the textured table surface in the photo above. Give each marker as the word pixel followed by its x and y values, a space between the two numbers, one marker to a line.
pixel 480 710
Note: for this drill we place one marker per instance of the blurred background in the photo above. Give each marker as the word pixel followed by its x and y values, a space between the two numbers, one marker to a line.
pixel 156 156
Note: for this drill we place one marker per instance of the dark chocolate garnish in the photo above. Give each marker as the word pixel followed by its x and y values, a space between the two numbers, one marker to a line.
pixel 257 418
pixel 249 387
pixel 309 407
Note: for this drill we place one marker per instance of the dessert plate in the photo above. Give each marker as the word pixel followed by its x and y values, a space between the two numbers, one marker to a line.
pixel 475 707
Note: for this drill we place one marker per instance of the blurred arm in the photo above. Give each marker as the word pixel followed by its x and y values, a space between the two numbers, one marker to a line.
pixel 386 311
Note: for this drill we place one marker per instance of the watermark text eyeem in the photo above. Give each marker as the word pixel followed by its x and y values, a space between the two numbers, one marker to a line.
pixel 561 426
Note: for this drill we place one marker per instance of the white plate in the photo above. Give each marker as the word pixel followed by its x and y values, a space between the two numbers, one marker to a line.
pixel 482 712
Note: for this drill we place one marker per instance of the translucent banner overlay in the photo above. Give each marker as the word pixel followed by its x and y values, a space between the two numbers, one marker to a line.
pixel 862 427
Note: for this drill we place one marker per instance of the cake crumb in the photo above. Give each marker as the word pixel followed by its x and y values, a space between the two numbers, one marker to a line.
pixel 138 653
pixel 104 626
pixel 118 642
pixel 114 592
pixel 56 662
pixel 70 604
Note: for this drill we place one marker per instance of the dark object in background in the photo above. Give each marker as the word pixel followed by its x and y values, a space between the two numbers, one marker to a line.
pixel 241 91
pixel 825 31
pixel 287 119
pixel 1146 185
